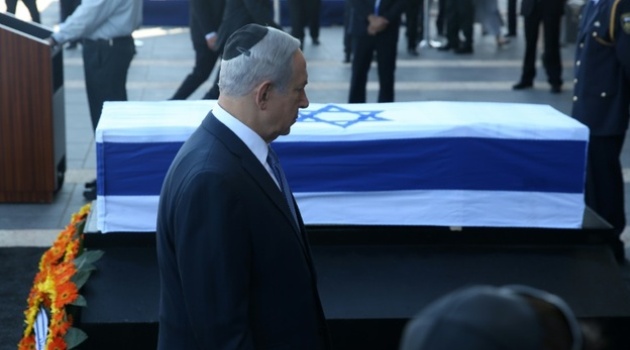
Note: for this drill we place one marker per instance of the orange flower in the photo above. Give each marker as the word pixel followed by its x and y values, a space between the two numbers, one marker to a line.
pixel 54 253
pixel 66 293
pixel 59 324
pixel 57 343
pixel 27 343
pixel 63 272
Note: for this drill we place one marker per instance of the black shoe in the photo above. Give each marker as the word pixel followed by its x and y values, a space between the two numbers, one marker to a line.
pixel 465 50
pixel 90 194
pixel 510 35
pixel 445 47
pixel 315 41
pixel 521 85
pixel 91 184
pixel 556 89
pixel 412 51
pixel 72 45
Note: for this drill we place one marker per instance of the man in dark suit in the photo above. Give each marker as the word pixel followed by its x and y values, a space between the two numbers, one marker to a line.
pixel 601 101
pixel 235 265
pixel 374 26
pixel 238 13
pixel 549 13
pixel 305 13
pixel 205 18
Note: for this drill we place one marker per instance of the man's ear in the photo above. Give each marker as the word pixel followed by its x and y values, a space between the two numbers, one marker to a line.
pixel 262 94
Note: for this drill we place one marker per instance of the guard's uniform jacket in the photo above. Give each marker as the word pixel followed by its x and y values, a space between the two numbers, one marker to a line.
pixel 601 97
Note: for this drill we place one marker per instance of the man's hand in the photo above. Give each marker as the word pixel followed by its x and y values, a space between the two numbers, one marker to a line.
pixel 376 24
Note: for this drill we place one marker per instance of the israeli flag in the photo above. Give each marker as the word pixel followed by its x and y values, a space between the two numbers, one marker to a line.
pixel 416 163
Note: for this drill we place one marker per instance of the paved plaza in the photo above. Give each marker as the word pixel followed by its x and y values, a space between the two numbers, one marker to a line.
pixel 165 56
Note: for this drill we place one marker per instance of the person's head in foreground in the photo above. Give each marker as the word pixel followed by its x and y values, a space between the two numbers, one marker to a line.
pixel 262 79
pixel 491 318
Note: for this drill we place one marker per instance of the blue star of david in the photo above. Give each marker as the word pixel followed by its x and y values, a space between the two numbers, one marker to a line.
pixel 316 116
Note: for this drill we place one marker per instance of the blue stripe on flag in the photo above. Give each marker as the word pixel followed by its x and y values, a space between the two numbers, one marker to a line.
pixel 133 168
pixel 460 163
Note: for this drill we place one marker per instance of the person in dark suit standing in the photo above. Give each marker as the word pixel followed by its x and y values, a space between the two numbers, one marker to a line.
pixel 31 6
pixel 205 18
pixel 238 13
pixel 235 266
pixel 549 13
pixel 374 28
pixel 305 13
pixel 601 101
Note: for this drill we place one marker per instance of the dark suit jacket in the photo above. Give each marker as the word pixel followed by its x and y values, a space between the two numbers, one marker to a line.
pixel 241 12
pixel 549 6
pixel 205 18
pixel 235 273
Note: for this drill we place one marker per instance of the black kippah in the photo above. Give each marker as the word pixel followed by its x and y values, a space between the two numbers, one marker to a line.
pixel 243 39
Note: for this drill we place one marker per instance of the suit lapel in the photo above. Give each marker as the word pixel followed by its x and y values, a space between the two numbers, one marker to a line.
pixel 258 173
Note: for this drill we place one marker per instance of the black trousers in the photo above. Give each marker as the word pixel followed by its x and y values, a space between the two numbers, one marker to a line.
pixel 31 5
pixel 105 64
pixel 414 15
pixel 364 46
pixel 604 180
pixel 551 56
pixel 67 7
pixel 304 13
pixel 213 93
pixel 347 37
pixel 511 17
pixel 440 20
pixel 460 16
pixel 205 59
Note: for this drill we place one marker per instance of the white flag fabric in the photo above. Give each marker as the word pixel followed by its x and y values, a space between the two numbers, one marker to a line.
pixel 413 163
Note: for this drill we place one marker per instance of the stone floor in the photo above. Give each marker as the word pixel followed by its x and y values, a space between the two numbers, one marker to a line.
pixel 165 57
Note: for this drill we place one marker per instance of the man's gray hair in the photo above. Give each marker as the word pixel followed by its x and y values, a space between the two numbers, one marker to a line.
pixel 270 59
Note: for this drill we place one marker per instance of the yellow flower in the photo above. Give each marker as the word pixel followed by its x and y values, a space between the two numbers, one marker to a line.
pixel 72 250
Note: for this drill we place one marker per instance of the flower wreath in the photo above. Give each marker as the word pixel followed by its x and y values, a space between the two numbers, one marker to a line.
pixel 63 270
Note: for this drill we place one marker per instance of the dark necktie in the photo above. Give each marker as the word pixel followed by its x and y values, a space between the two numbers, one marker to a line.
pixel 274 163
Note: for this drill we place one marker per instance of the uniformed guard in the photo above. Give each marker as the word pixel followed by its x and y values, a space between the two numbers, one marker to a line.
pixel 601 100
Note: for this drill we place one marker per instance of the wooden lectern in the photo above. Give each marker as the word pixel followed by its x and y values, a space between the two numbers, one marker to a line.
pixel 32 116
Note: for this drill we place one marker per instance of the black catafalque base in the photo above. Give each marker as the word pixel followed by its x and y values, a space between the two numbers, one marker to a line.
pixel 373 279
